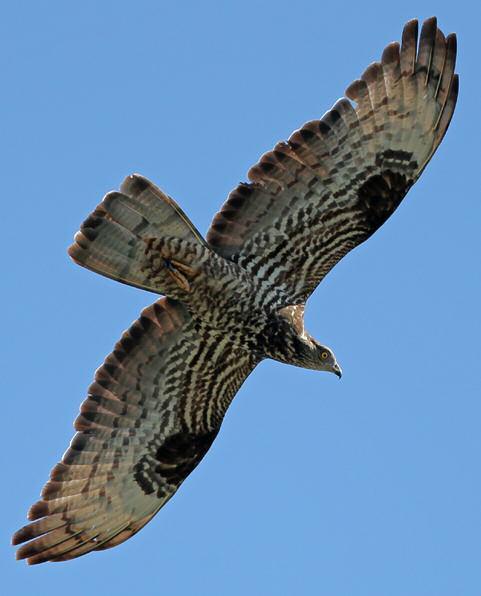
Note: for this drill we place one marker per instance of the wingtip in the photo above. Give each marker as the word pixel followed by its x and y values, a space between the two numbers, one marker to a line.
pixel 454 87
pixel 391 53
pixel 37 510
pixel 452 43
pixel 372 73
pixel 356 90
pixel 22 553
pixel 428 31
pixel 431 23
pixel 22 535
pixel 411 26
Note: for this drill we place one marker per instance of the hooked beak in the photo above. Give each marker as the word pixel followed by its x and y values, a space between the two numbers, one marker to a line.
pixel 336 369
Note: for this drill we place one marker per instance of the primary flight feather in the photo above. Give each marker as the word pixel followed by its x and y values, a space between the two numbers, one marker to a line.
pixel 234 299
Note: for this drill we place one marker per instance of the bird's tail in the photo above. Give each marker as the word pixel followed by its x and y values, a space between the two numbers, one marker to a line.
pixel 141 237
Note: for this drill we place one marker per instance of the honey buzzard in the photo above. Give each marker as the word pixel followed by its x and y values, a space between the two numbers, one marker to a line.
pixel 234 299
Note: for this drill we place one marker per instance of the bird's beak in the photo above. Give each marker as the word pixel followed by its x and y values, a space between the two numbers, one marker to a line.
pixel 336 369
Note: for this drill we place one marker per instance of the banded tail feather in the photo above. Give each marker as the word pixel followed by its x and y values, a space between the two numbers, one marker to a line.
pixel 120 239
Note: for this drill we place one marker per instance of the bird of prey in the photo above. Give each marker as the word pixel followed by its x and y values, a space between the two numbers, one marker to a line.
pixel 233 299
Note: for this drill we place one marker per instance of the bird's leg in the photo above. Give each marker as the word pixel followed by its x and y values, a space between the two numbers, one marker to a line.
pixel 159 262
pixel 181 273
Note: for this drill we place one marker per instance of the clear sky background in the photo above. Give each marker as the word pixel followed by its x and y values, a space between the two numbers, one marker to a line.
pixel 368 487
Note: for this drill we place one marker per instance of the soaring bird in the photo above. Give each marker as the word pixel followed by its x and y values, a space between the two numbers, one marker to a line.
pixel 233 299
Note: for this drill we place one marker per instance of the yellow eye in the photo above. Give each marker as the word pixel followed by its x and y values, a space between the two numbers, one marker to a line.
pixel 324 355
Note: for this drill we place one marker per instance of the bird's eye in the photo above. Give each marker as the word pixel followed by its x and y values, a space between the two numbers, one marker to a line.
pixel 324 355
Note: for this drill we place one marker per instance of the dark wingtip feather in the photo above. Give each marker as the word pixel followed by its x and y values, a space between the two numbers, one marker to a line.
pixel 37 510
pixel 409 46
pixel 372 73
pixel 24 551
pixel 22 535
pixel 410 30
pixel 455 86
pixel 36 560
pixel 356 89
pixel 427 36
pixel 429 27
pixel 453 94
pixel 427 40
pixel 452 44
pixel 391 53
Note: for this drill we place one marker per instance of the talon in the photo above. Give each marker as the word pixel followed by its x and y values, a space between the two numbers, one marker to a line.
pixel 186 269
pixel 169 265
pixel 176 270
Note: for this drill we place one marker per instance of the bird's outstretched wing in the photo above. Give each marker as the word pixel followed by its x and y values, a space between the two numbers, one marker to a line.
pixel 151 414
pixel 336 180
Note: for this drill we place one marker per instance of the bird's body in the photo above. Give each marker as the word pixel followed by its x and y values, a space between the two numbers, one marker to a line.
pixel 242 310
pixel 233 299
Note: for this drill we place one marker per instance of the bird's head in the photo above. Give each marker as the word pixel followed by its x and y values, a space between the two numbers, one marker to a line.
pixel 325 359
pixel 311 354
pixel 300 348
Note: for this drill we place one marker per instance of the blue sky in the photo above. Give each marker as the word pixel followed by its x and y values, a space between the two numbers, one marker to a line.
pixel 369 486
